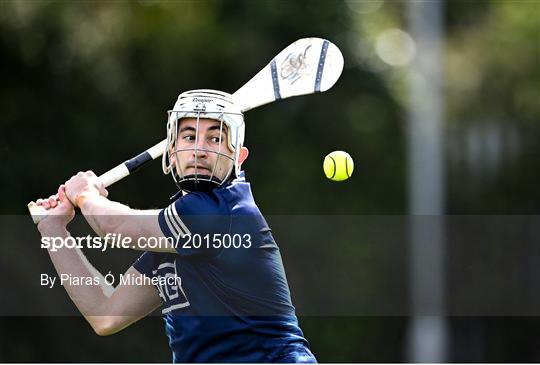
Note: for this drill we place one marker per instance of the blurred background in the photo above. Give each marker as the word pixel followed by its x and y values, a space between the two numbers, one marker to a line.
pixel 438 104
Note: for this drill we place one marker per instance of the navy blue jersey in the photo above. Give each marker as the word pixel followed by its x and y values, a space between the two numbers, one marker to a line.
pixel 227 298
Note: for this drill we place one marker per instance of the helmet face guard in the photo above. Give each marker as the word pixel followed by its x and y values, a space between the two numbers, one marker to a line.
pixel 207 104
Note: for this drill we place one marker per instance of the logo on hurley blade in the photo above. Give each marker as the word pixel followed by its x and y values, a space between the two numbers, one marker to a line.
pixel 293 65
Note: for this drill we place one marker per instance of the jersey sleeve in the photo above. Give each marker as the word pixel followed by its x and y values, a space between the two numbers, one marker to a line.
pixel 145 264
pixel 192 221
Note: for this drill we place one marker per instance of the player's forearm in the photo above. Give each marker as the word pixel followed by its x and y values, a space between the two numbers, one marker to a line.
pixel 106 216
pixel 103 215
pixel 89 299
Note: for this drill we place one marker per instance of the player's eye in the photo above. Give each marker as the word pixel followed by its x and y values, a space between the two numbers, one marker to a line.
pixel 214 139
pixel 188 138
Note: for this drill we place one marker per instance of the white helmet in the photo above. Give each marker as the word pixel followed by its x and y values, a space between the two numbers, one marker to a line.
pixel 211 104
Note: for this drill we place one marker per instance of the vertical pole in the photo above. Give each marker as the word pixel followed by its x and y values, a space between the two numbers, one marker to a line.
pixel 427 340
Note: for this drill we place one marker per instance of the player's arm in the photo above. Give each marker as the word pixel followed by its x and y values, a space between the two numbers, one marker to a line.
pixel 107 309
pixel 126 305
pixel 105 216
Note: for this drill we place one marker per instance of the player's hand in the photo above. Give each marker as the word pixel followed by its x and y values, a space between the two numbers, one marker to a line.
pixel 60 211
pixel 83 186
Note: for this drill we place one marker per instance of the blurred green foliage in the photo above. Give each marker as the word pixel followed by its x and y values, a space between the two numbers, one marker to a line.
pixel 86 85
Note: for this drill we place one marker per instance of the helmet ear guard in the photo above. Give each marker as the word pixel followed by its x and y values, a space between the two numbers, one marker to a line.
pixel 208 104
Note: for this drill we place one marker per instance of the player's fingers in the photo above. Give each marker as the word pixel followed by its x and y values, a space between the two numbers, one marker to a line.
pixel 62 194
pixel 45 203
pixel 53 201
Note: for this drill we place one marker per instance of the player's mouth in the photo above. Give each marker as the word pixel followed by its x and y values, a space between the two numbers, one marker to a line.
pixel 199 169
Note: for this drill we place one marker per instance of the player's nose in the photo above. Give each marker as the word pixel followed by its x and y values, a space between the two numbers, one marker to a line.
pixel 200 149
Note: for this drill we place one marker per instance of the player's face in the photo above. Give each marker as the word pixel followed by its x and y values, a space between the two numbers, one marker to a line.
pixel 201 151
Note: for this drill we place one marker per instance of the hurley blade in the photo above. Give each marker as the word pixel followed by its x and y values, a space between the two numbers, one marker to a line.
pixel 306 66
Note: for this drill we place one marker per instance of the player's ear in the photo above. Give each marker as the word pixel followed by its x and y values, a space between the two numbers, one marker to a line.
pixel 244 153
pixel 172 157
